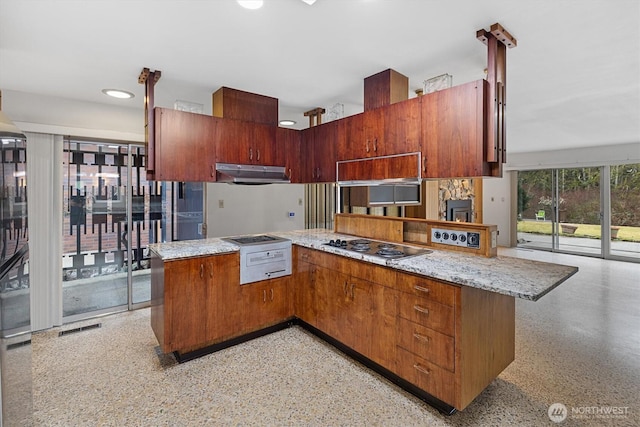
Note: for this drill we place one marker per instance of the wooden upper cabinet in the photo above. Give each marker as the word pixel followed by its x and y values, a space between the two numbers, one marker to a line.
pixel 453 136
pixel 246 143
pixel 318 151
pixel 247 135
pixel 185 146
pixel 240 105
pixel 402 127
pixel 288 150
pixel 385 88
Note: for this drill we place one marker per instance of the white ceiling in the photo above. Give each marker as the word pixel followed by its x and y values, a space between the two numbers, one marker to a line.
pixel 573 80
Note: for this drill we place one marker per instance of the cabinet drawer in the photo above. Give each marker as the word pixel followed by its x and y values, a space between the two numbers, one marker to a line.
pixel 426 343
pixel 429 377
pixel 426 288
pixel 427 313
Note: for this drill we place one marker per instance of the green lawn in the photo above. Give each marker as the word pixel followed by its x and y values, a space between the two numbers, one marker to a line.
pixel 630 234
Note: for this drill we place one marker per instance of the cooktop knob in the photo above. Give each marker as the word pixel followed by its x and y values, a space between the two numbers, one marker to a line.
pixel 445 235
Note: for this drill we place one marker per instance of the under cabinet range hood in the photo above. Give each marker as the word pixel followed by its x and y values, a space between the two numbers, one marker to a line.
pixel 251 174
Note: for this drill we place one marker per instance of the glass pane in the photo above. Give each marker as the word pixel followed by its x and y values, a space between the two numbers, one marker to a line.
pixel 146 216
pixel 625 210
pixel 535 209
pixel 14 255
pixel 579 210
pixel 94 243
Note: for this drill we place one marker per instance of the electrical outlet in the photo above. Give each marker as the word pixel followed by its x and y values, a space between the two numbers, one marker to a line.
pixel 221 203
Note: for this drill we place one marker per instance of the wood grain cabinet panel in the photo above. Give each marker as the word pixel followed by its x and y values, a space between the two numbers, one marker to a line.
pixel 288 153
pixel 246 143
pixel 428 376
pixel 187 301
pixel 430 345
pixel 266 303
pixel 185 146
pixel 427 288
pixel 426 312
pixel 453 134
pixel 318 151
pixel 402 127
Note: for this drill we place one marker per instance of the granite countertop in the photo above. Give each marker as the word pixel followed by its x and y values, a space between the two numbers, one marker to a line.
pixel 515 277
pixel 192 248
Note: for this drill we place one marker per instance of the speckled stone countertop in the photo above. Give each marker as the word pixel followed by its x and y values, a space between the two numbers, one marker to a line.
pixel 515 277
pixel 192 248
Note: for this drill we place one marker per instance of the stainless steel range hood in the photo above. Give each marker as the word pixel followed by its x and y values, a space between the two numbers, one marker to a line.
pixel 250 174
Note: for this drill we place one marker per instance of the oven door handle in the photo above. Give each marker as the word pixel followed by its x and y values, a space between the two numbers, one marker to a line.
pixel 269 273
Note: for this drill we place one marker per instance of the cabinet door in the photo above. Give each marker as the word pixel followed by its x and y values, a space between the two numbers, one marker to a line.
pixel 266 303
pixel 288 147
pixel 305 292
pixel 331 301
pixel 384 325
pixel 185 303
pixel 233 142
pixel 323 159
pixel 184 146
pixel 373 136
pixel 224 314
pixel 402 128
pixel 357 316
pixel 262 146
pixel 350 142
pixel 453 136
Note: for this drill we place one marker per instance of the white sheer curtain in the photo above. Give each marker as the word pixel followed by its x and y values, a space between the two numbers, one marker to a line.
pixel 44 192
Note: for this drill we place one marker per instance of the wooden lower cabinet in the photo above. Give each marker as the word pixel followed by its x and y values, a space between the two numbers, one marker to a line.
pixel 189 297
pixel 266 303
pixel 450 341
pixel 196 302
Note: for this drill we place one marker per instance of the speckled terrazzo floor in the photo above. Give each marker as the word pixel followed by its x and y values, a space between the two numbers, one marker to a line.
pixel 579 345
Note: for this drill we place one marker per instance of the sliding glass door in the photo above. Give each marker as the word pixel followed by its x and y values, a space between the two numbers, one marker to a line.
pixel 579 210
pixel 111 214
pixel 624 197
pixel 592 211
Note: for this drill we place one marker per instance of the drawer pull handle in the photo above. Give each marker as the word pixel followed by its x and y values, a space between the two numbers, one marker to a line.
pixel 421 309
pixel 264 295
pixel 210 269
pixel 421 289
pixel 271 294
pixel 421 337
pixel 421 369
pixel 201 271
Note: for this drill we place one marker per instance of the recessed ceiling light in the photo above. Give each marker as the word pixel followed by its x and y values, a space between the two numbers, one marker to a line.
pixel 309 2
pixel 287 122
pixel 117 93
pixel 251 4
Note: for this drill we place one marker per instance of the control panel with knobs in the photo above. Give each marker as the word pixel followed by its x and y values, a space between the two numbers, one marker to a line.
pixel 467 239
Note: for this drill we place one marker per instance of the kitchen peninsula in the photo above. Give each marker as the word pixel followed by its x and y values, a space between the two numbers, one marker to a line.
pixel 440 324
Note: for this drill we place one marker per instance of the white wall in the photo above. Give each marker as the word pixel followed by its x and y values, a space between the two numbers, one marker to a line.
pixel 250 209
pixel 497 202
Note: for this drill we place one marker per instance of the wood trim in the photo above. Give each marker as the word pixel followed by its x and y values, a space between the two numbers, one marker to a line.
pixel 485 340
pixel 414 231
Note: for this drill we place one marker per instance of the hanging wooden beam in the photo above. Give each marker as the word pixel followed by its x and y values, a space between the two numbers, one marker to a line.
pixel 149 78
pixel 316 114
pixel 497 39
